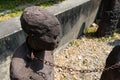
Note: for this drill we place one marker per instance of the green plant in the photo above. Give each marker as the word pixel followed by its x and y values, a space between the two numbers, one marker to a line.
pixel 90 31
pixel 74 43
pixel 15 11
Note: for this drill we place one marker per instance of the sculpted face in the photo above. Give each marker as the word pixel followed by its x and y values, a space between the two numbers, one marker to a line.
pixel 43 28
pixel 48 41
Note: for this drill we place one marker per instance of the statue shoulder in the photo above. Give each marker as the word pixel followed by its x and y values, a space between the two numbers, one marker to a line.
pixel 21 51
pixel 18 63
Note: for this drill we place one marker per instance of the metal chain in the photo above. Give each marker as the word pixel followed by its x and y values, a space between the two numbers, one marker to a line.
pixel 42 74
pixel 117 65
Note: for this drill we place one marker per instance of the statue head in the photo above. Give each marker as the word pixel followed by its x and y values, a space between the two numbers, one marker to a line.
pixel 43 28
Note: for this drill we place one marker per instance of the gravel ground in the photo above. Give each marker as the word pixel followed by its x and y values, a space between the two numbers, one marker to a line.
pixel 84 53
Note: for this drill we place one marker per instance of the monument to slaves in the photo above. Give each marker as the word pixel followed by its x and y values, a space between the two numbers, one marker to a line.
pixel 43 31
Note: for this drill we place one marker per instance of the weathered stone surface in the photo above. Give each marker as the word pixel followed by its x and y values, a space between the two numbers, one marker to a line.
pixel 43 31
pixel 34 18
pixel 43 28
pixel 109 17
pixel 112 59
pixel 24 68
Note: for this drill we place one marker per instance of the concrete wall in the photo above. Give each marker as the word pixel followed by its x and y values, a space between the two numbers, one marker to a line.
pixel 74 16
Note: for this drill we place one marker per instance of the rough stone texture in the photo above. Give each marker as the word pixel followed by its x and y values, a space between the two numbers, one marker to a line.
pixel 34 18
pixel 109 15
pixel 118 25
pixel 24 68
pixel 43 28
pixel 43 31
pixel 112 59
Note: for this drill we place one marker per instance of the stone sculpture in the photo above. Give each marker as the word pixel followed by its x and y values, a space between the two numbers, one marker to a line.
pixel 109 17
pixel 113 58
pixel 43 31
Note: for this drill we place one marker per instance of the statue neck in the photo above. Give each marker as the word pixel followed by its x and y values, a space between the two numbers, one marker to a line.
pixel 39 55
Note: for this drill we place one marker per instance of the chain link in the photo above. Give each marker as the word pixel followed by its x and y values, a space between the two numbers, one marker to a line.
pixel 81 71
pixel 42 74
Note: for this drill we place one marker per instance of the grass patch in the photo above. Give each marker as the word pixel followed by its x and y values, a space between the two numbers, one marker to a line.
pixel 74 43
pixel 106 38
pixel 12 5
pixel 90 33
pixel 11 14
pixel 115 36
pixel 117 30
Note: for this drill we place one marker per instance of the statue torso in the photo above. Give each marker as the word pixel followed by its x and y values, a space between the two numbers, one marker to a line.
pixel 22 68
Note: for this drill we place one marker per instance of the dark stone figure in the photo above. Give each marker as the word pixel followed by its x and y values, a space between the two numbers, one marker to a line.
pixel 43 31
pixel 109 16
pixel 113 58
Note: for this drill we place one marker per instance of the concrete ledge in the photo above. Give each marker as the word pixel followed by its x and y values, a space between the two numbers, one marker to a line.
pixel 65 6
pixel 74 17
